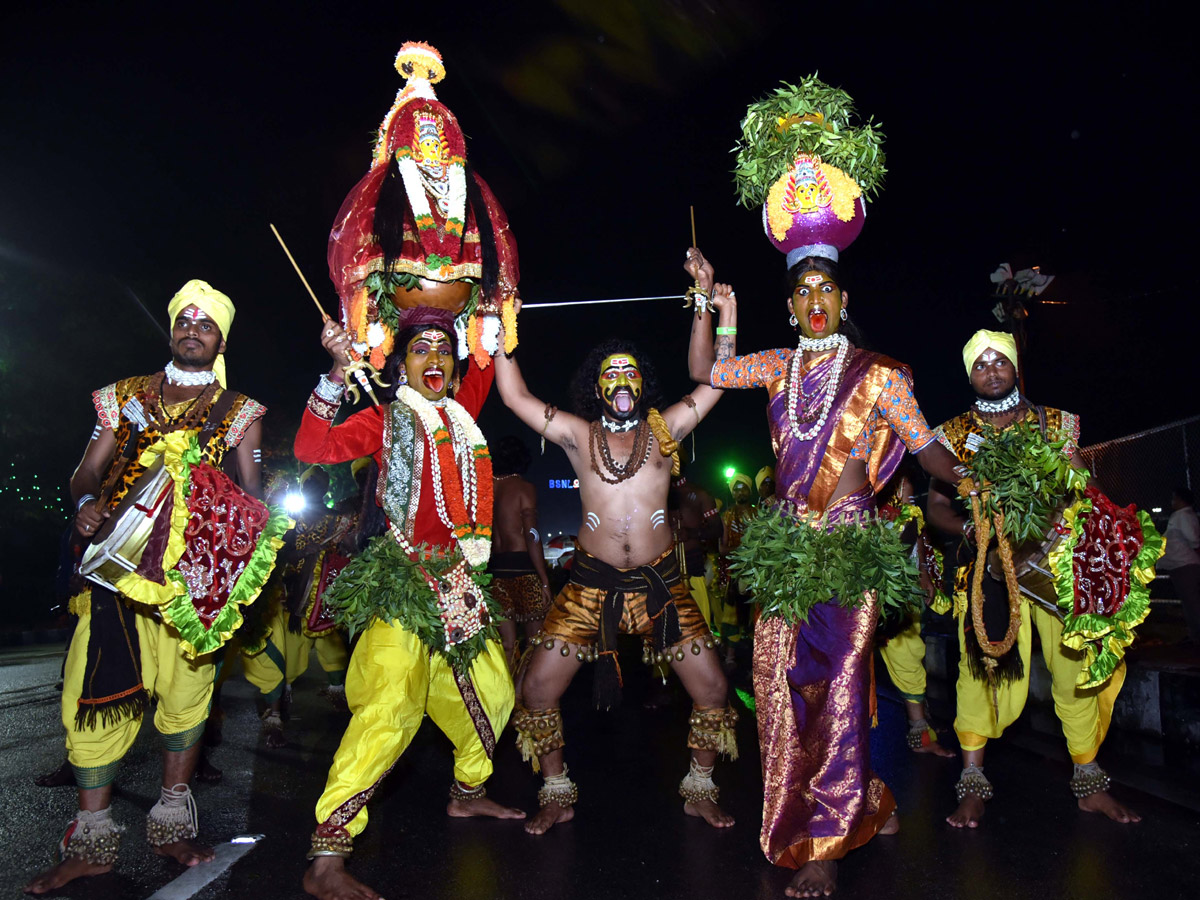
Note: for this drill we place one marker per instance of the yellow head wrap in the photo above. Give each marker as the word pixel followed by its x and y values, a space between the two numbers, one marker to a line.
pixel 763 474
pixel 1000 341
pixel 213 304
pixel 358 465
pixel 744 479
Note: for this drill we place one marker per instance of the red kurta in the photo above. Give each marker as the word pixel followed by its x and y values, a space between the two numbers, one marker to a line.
pixel 320 441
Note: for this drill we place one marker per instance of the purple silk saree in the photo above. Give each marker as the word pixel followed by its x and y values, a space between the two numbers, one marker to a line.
pixel 812 682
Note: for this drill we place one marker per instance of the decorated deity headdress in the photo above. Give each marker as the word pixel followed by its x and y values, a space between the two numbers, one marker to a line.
pixel 812 167
pixel 421 228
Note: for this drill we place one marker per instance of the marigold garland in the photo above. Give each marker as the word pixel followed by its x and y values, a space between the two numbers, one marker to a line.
pixel 508 315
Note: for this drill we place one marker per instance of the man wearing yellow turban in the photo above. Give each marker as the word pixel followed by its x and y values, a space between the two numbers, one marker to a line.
pixel 986 705
pixel 153 632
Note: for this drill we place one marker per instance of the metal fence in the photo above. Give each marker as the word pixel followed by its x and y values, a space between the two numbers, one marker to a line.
pixel 1145 468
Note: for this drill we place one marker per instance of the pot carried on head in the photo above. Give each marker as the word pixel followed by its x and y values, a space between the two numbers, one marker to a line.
pixel 421 228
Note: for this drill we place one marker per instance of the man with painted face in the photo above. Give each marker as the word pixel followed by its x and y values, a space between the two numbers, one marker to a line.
pixel 428 642
pixel 626 576
pixel 841 419
pixel 985 709
pixel 137 636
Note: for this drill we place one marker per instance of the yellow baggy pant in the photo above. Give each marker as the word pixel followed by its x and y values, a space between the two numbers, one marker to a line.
pixel 1085 715
pixel 393 680
pixel 904 657
pixel 286 656
pixel 182 687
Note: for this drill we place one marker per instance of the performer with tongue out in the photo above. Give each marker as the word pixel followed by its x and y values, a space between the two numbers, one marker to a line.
pixel 626 575
pixel 429 645
pixel 841 418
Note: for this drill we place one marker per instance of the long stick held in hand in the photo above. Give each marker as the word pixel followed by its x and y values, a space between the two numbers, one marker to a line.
pixel 278 237
pixel 691 211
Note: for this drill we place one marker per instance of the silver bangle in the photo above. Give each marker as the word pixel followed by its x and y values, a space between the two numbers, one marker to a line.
pixel 82 500
pixel 329 390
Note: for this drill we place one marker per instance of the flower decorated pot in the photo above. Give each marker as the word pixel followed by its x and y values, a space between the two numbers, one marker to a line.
pixel 451 295
pixel 813 203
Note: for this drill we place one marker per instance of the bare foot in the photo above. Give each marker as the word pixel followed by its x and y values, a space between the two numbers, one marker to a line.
pixel 1104 802
pixel 709 812
pixel 548 817
pixel 190 853
pixel 815 879
pixel 68 870
pixel 464 809
pixel 892 825
pixel 935 748
pixel 63 775
pixel 328 879
pixel 273 732
pixel 968 814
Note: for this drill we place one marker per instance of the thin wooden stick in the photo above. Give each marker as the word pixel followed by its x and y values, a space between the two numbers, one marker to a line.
pixel 691 209
pixel 279 237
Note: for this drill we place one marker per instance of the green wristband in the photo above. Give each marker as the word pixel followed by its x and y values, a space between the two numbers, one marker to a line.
pixel 726 329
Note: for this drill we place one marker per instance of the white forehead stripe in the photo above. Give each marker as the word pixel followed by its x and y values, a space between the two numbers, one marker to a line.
pixel 434 336
pixel 813 279
pixel 194 313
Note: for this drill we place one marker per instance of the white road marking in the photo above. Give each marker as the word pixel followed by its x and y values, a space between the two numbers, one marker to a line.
pixel 199 876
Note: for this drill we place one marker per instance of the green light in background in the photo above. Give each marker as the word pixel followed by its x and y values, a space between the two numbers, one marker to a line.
pixel 730 471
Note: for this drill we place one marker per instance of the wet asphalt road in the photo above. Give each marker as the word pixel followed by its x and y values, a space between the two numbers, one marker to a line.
pixel 629 839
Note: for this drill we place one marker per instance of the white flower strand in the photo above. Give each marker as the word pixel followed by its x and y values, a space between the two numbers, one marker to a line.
pixel 829 390
pixel 464 437
pixel 999 406
pixel 188 379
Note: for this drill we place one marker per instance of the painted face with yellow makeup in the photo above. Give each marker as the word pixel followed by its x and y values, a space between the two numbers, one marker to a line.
pixel 620 386
pixel 429 363
pixel 817 302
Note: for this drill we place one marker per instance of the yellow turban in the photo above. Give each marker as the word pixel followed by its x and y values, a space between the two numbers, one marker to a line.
pixel 763 474
pixel 1000 341
pixel 744 479
pixel 213 304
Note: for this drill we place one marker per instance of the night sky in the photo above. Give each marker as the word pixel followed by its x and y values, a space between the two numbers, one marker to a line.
pixel 141 146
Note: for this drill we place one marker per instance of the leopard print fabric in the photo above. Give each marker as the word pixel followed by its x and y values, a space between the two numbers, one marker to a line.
pixel 110 401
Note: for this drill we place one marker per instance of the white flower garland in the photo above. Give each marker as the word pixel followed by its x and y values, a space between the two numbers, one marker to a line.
pixel 464 437
pixel 999 406
pixel 414 187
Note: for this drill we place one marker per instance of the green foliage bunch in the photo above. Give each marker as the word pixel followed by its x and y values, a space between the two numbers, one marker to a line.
pixel 1027 477
pixel 793 564
pixel 764 153
pixel 383 583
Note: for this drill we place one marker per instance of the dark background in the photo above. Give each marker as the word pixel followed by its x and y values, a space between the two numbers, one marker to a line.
pixel 145 144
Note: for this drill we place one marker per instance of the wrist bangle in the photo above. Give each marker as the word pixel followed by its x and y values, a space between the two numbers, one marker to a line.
pixel 86 498
pixel 726 329
pixel 329 390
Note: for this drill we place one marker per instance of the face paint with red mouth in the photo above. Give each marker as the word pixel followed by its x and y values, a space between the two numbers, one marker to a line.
pixel 620 386
pixel 429 363
pixel 817 303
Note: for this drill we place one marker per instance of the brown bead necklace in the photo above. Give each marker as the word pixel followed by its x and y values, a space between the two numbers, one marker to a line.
pixel 622 471
pixel 189 418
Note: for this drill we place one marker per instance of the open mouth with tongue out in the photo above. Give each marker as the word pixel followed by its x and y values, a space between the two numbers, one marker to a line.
pixel 622 401
pixel 818 319
pixel 434 380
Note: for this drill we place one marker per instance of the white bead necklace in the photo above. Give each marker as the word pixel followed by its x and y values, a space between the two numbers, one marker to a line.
pixel 828 390
pixel 188 379
pixel 999 406
pixel 617 428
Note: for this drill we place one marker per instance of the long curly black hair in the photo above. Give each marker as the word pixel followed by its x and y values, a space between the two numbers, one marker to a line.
pixel 829 268
pixel 583 384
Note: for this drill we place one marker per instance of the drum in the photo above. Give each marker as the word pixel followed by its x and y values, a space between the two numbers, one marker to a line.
pixel 119 544
pixel 1031 562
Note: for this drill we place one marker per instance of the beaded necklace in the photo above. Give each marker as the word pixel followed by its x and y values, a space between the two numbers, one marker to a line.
pixel 461 471
pixel 797 396
pixel 622 471
pixel 190 418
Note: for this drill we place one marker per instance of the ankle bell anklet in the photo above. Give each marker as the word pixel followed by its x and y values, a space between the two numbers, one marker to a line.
pixel 466 795
pixel 698 784
pixel 974 782
pixel 1089 779
pixel 173 818
pixel 92 837
pixel 331 840
pixel 558 789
